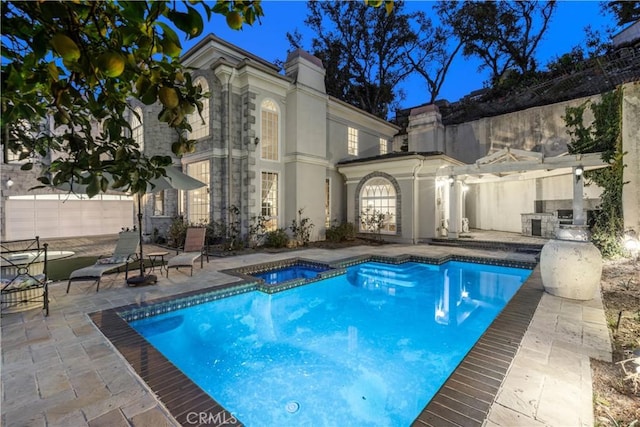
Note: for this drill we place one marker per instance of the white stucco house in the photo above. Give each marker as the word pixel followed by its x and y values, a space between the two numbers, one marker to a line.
pixel 273 142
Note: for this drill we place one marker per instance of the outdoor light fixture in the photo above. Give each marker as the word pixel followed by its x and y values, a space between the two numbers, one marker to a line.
pixel 578 172
pixel 631 243
pixel 9 183
pixel 451 180
pixel 256 141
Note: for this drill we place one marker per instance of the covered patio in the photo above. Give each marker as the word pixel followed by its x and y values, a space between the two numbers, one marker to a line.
pixel 427 196
pixel 520 191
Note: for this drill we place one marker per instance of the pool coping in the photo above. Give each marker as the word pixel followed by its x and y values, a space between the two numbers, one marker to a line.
pixel 464 399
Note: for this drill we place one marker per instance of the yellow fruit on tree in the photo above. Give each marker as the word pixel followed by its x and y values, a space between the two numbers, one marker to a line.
pixel 65 47
pixel 187 107
pixel 169 97
pixel 111 64
pixel 234 20
pixel 170 49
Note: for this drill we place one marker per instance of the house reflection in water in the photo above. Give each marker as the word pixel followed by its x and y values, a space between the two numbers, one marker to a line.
pixel 457 289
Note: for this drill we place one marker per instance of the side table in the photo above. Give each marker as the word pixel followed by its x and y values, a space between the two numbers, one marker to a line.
pixel 154 257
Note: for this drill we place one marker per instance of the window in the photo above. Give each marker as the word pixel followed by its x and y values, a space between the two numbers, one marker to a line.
pixel 12 136
pixel 198 199
pixel 352 143
pixel 327 202
pixel 378 206
pixel 137 127
pixel 383 146
pixel 270 200
pixel 269 129
pixel 200 126
pixel 158 203
pixel 10 156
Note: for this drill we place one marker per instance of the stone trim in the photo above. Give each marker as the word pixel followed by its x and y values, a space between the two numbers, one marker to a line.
pixel 396 186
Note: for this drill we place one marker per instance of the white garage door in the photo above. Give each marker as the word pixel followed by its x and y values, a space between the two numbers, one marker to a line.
pixel 51 217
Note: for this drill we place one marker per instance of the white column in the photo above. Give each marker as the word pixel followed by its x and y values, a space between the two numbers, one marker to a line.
pixel 455 209
pixel 579 216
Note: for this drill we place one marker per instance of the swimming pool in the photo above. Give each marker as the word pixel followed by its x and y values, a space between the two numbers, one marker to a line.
pixel 311 356
pixel 292 272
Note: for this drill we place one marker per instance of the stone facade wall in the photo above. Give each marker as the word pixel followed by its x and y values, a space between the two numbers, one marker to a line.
pixel 548 224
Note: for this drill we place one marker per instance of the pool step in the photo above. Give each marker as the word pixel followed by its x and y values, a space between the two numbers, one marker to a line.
pixel 529 248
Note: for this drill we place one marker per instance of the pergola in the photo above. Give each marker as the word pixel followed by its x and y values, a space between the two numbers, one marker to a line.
pixel 511 164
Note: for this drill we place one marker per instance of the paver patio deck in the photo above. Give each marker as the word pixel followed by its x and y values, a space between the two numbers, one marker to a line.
pixel 61 371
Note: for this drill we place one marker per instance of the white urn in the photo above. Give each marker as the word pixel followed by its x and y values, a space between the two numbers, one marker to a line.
pixel 570 265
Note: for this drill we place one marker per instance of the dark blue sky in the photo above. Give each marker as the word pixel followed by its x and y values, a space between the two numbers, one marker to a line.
pixel 269 42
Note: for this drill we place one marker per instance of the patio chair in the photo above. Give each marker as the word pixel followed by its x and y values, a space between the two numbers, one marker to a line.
pixel 194 248
pixel 124 254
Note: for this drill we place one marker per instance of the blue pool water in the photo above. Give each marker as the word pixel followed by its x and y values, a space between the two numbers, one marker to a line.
pixel 370 347
pixel 285 274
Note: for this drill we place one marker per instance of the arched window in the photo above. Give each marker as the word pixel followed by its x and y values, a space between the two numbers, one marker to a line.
pixel 378 206
pixel 137 127
pixel 269 130
pixel 200 126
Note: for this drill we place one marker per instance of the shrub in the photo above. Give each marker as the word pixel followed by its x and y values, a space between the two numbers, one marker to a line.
pixel 177 232
pixel 216 232
pixel 301 229
pixel 256 232
pixel 276 239
pixel 340 233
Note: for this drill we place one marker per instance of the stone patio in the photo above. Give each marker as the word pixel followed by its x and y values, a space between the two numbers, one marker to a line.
pixel 61 371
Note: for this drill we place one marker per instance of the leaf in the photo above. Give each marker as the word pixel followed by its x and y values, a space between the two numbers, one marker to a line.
pixel 150 96
pixel 249 17
pixel 169 34
pixel 221 7
pixel 26 167
pixel 94 186
pixel 388 5
pixel 197 25
pixel 190 23
pixel 104 184
pixel 53 71
pixel 133 10
pixel 180 19
pixel 40 44
pixel 128 35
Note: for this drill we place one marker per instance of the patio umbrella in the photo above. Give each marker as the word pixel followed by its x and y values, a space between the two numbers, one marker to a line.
pixel 174 180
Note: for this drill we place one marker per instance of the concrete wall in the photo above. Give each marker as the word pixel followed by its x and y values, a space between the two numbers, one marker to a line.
pixel 539 129
pixel 631 144
pixel 497 206
pixel 306 148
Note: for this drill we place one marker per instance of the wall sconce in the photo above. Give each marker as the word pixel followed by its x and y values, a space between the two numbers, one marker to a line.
pixel 451 180
pixel 578 172
pixel 256 141
pixel 9 183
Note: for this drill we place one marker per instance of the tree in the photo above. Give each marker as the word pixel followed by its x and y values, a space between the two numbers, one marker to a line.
pixel 626 11
pixel 503 34
pixel 363 49
pixel 79 63
pixel 432 57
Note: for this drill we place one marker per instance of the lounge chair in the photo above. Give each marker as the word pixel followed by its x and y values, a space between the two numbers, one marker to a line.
pixel 124 254
pixel 193 249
